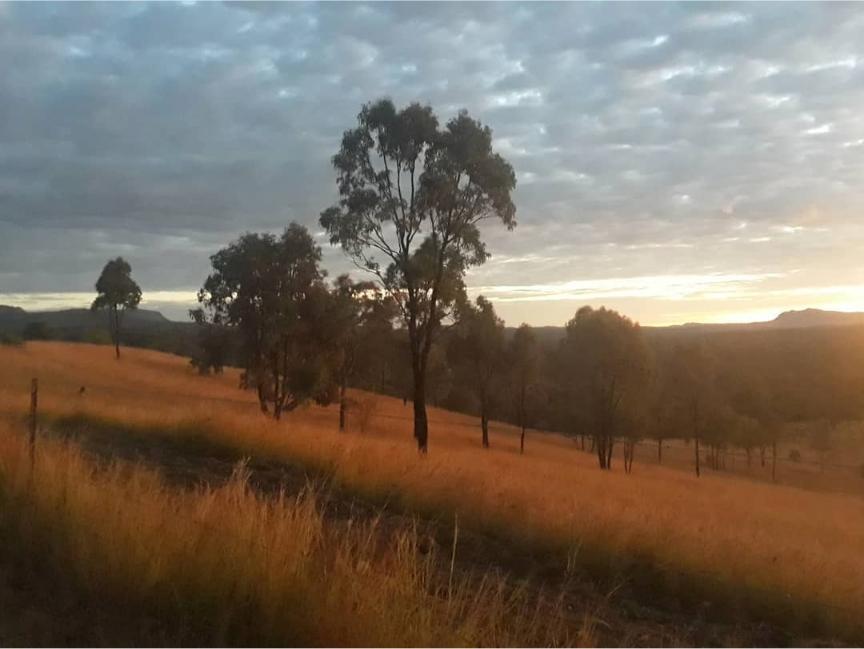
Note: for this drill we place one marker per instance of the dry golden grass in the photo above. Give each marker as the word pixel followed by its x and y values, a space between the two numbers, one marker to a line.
pixel 225 566
pixel 781 549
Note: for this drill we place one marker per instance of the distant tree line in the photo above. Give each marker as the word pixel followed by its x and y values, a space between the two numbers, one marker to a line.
pixel 606 383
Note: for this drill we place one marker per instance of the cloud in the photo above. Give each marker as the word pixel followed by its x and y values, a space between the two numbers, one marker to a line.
pixel 641 137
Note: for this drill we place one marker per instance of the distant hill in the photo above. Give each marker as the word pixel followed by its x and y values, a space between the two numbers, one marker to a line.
pixel 141 328
pixel 11 316
pixel 803 319
pixel 145 328
pixel 817 318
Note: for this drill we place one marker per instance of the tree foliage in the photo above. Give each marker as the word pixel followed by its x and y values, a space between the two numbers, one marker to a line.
pixel 357 329
pixel 476 352
pixel 524 359
pixel 412 197
pixel 603 367
pixel 272 289
pixel 116 292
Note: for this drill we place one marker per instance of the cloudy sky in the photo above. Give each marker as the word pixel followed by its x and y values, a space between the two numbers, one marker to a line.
pixel 677 162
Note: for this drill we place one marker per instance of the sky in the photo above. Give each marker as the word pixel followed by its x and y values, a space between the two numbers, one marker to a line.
pixel 676 162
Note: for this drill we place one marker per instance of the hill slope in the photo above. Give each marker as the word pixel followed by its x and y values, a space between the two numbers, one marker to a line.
pixel 664 534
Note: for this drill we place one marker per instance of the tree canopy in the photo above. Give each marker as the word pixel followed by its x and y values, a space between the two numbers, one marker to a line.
pixel 271 288
pixel 603 366
pixel 477 352
pixel 116 292
pixel 412 197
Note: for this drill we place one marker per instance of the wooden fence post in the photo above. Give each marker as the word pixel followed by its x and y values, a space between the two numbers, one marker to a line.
pixel 34 401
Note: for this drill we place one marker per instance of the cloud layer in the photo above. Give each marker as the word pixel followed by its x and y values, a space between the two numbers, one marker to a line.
pixel 679 162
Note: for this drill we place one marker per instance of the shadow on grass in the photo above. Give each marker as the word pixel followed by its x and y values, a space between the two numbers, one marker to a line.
pixel 707 608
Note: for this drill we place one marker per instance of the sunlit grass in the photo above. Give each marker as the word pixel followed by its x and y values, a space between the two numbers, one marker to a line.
pixel 226 566
pixel 788 554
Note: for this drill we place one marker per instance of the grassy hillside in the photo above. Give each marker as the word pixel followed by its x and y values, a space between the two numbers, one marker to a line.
pixel 720 546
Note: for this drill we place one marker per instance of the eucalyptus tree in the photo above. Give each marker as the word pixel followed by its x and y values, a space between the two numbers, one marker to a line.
pixel 477 353
pixel 524 359
pixel 694 370
pixel 412 197
pixel 360 321
pixel 604 365
pixel 117 293
pixel 271 289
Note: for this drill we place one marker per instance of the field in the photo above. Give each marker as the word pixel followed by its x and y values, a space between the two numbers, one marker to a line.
pixel 656 557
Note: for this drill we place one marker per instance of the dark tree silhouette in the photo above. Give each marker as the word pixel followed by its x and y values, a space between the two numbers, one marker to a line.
pixel 603 362
pixel 694 370
pixel 214 344
pixel 272 290
pixel 523 357
pixel 360 317
pixel 477 353
pixel 412 198
pixel 116 292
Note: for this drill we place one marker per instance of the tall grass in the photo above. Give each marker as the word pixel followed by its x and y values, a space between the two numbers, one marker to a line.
pixel 784 553
pixel 225 566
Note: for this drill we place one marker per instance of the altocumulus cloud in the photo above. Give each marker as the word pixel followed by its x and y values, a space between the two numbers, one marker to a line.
pixel 675 161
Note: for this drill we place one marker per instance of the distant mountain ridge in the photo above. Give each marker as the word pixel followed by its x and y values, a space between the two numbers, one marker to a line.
pixel 817 318
pixel 141 328
pixel 800 319
pixel 143 325
pixel 11 316
pixel 795 319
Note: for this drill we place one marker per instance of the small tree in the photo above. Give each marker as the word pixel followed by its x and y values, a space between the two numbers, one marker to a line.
pixel 523 358
pixel 412 197
pixel 693 371
pixel 359 318
pixel 603 362
pixel 116 292
pixel 214 343
pixel 634 426
pixel 661 420
pixel 477 352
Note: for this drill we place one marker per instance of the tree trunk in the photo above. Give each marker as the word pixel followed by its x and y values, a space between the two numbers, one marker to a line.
pixel 421 424
pixel 660 451
pixel 697 458
pixel 762 455
pixel 343 388
pixel 774 461
pixel 598 442
pixel 522 440
pixel 114 328
pixel 610 442
pixel 262 398
pixel 484 426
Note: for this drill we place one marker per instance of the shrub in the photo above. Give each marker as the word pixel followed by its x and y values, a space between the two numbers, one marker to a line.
pixel 10 339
